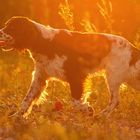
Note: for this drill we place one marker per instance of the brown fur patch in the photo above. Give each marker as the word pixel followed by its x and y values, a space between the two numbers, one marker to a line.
pixel 95 45
pixel 135 55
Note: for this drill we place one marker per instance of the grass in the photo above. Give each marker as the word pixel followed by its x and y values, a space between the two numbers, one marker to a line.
pixel 66 124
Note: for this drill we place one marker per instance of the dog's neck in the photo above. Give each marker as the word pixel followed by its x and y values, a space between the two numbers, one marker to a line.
pixel 46 31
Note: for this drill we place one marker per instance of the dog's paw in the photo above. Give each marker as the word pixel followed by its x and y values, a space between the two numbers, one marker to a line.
pixel 84 108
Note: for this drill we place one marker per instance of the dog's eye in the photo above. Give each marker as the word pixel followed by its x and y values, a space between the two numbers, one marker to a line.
pixel 11 28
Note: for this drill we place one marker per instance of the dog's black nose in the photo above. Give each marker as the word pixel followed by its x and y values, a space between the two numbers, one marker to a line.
pixel 0 33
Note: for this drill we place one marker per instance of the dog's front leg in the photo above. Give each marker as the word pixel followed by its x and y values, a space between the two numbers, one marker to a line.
pixel 37 86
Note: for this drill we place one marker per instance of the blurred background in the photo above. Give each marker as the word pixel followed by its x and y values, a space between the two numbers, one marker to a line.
pixel 123 15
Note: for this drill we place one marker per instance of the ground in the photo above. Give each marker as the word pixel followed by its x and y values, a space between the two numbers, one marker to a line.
pixel 50 121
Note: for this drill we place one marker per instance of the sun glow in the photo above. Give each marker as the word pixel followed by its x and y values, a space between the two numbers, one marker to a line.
pixel 119 17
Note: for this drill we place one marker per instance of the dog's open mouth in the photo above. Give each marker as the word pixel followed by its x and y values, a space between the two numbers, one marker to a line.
pixel 6 41
pixel 7 50
pixel 2 43
pixel 6 45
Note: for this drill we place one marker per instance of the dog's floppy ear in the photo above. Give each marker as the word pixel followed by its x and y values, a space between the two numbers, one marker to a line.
pixel 23 30
pixel 22 26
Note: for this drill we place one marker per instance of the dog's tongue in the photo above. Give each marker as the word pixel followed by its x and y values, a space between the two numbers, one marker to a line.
pixel 2 43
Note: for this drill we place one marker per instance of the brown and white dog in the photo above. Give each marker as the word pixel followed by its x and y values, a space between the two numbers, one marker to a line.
pixel 71 56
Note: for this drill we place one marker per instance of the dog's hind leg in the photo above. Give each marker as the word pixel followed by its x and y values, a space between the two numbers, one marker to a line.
pixel 134 76
pixel 113 81
pixel 134 83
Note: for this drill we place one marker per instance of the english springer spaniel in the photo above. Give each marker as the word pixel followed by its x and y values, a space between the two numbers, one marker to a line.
pixel 70 56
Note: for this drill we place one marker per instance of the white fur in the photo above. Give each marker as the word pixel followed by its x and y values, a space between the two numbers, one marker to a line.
pixel 118 70
pixel 47 32
pixel 53 67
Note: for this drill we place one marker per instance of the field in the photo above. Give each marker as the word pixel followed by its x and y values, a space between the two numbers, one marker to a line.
pixel 67 124
pixel 46 122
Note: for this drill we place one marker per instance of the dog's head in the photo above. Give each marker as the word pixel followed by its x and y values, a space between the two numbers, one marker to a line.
pixel 19 33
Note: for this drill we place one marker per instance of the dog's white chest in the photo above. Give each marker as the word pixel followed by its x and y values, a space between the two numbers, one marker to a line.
pixel 53 67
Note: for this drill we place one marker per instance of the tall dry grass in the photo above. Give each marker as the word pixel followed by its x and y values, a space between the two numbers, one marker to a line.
pixel 65 11
pixel 105 9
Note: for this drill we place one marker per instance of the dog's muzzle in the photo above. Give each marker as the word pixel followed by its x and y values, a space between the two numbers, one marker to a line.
pixel 5 40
